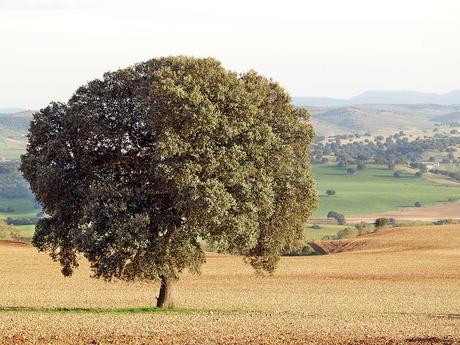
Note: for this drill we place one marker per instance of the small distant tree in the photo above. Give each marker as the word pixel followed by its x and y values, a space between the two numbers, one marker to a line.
pixel 418 174
pixel 396 174
pixel 351 171
pixel 361 165
pixel 418 204
pixel 381 222
pixel 341 219
pixel 332 214
pixel 330 192
pixel 140 165
pixel 342 164
pixel 391 166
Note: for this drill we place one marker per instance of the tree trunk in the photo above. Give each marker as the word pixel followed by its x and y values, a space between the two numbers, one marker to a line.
pixel 167 291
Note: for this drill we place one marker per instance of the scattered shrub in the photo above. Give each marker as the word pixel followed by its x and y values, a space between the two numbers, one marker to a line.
pixel 8 232
pixel 364 228
pixel 347 233
pixel 22 221
pixel 381 222
pixel 445 221
pixel 304 250
pixel 351 171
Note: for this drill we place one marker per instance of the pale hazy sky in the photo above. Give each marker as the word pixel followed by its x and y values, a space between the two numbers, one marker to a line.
pixel 335 48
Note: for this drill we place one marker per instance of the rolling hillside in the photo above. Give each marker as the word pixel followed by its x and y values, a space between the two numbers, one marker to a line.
pixel 377 117
pixel 15 125
pixel 448 118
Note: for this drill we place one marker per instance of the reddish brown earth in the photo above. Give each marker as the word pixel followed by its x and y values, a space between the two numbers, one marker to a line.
pixel 12 244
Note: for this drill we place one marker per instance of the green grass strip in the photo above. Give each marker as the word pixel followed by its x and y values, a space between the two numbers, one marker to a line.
pixel 128 310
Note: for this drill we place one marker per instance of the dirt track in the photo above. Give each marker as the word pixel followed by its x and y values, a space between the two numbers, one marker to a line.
pixel 444 211
pixel 398 286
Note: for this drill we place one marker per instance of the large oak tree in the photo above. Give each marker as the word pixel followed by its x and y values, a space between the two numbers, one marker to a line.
pixel 141 165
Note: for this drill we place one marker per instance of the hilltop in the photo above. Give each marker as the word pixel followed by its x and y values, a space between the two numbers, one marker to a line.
pixel 11 110
pixel 380 97
pixel 15 125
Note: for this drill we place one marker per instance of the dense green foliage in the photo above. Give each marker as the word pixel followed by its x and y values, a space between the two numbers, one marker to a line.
pixel 140 165
pixel 454 175
pixel 12 184
pixel 390 150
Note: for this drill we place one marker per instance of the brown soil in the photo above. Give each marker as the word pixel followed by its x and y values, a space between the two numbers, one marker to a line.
pixel 398 286
pixel 7 243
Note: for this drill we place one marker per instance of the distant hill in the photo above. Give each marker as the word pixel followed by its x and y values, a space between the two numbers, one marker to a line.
pixel 15 125
pixel 373 117
pixel 448 118
pixel 382 97
pixel 11 110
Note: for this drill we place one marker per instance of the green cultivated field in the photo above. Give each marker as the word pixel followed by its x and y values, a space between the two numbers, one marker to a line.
pixel 375 190
pixel 26 230
pixel 24 208
pixel 324 230
pixel 369 191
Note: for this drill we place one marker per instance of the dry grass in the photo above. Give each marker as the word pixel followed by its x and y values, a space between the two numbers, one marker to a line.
pixel 402 286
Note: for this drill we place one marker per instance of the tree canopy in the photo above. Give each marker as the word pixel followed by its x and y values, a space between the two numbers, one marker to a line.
pixel 141 165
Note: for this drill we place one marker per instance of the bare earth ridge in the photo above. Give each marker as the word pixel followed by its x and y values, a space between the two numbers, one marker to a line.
pixel 398 286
